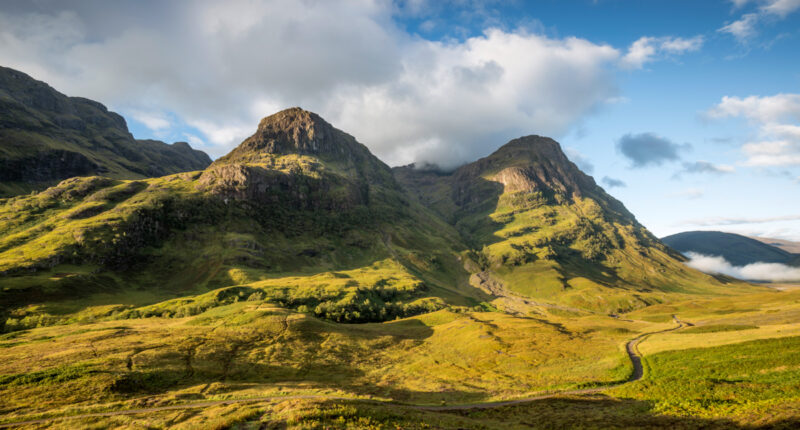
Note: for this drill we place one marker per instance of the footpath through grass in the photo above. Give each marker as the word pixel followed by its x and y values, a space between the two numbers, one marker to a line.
pixel 751 381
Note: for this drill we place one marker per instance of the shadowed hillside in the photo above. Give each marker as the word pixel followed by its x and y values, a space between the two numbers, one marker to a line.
pixel 46 137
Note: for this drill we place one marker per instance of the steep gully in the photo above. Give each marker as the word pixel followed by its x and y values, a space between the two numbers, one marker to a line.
pixel 631 347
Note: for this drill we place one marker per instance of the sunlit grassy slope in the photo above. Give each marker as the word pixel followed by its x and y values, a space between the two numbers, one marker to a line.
pixel 170 236
pixel 252 348
pixel 324 230
pixel 545 230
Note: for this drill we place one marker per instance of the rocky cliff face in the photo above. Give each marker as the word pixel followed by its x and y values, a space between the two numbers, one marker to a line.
pixel 283 137
pixel 46 136
pixel 42 167
pixel 256 185
pixel 526 165
pixel 296 131
pixel 530 163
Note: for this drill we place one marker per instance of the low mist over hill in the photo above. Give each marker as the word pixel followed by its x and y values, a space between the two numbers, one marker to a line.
pixel 738 256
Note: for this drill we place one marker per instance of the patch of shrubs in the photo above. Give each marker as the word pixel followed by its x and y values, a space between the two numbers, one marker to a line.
pixel 47 377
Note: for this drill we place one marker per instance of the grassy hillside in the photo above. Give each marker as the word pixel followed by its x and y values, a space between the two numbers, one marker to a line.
pixel 332 236
pixel 737 249
pixel 542 229
pixel 46 137
pixel 253 348
pixel 303 215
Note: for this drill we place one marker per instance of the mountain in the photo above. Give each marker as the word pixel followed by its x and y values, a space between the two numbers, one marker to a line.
pixel 541 228
pixel 737 249
pixel 786 245
pixel 303 215
pixel 299 212
pixel 46 137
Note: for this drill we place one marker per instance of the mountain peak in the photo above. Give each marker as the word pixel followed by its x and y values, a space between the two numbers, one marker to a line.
pixel 300 124
pixel 296 131
pixel 531 163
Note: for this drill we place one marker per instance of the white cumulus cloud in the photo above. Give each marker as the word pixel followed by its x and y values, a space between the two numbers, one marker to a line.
pixel 745 28
pixel 647 49
pixel 776 118
pixel 452 100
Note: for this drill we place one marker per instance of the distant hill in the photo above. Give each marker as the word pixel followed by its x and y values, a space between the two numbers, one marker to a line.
pixel 46 137
pixel 786 245
pixel 737 249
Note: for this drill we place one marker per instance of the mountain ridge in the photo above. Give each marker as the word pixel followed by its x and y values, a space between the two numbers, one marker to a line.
pixel 302 203
pixel 46 136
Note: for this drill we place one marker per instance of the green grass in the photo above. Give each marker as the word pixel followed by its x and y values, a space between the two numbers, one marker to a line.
pixel 252 347
pixel 745 380
pixel 718 328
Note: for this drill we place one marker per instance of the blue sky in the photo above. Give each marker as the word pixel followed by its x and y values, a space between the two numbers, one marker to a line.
pixel 693 105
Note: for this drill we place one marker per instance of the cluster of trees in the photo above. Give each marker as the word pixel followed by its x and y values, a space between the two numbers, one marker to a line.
pixel 352 305
pixel 361 304
pixel 30 321
pixel 353 309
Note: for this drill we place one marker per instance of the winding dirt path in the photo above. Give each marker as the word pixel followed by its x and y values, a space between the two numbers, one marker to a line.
pixel 631 347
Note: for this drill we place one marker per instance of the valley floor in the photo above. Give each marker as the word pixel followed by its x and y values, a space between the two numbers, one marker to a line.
pixel 249 364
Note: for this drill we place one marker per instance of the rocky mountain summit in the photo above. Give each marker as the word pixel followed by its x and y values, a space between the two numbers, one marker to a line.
pixel 46 137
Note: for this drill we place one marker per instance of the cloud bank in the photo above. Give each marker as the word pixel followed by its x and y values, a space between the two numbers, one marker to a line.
pixel 215 69
pixel 773 272
pixel 736 221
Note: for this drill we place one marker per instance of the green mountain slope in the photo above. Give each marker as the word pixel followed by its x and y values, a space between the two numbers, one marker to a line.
pixel 46 137
pixel 737 249
pixel 329 232
pixel 543 229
